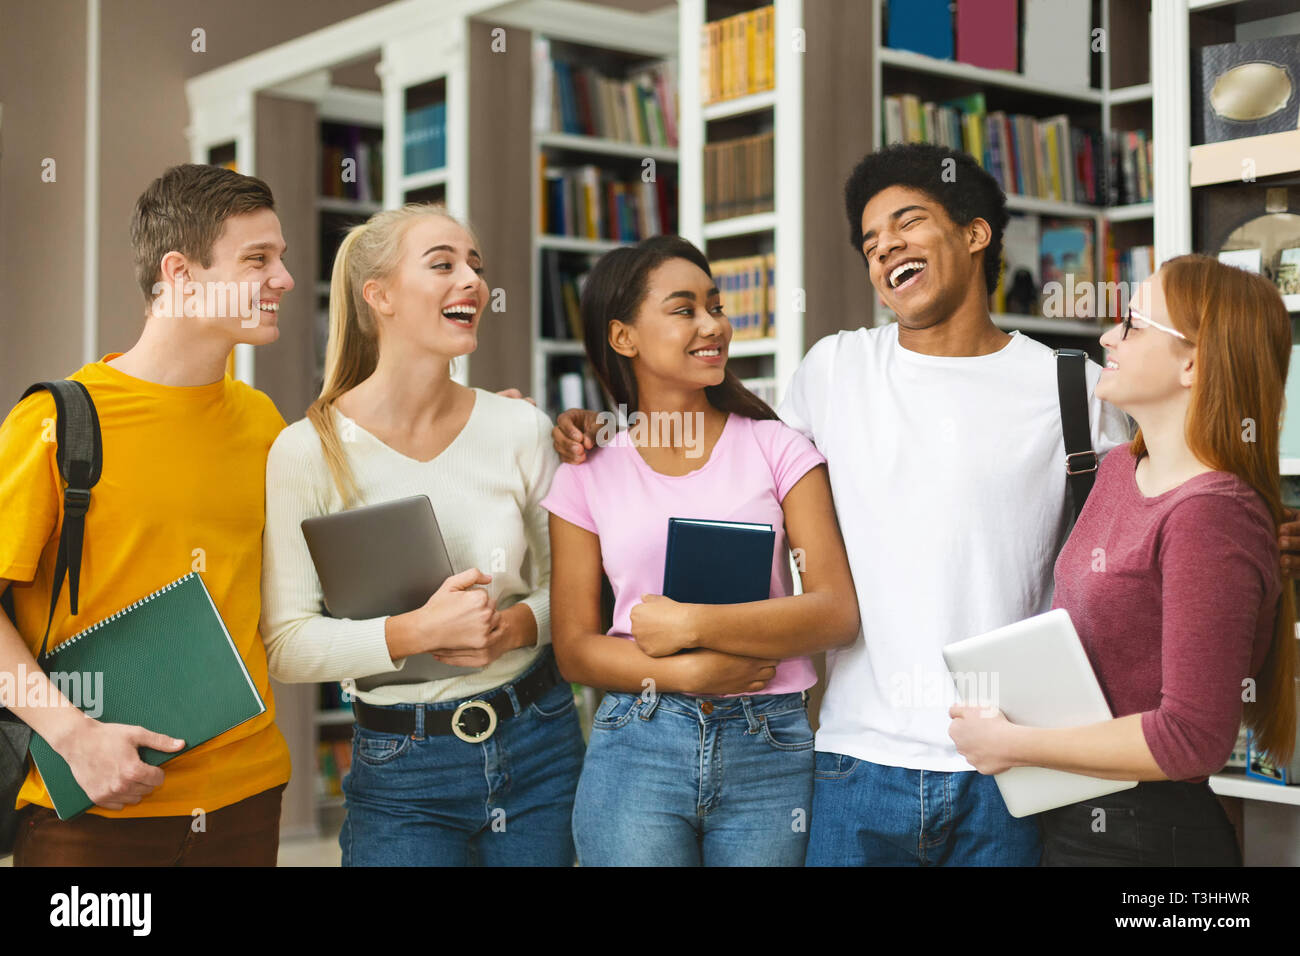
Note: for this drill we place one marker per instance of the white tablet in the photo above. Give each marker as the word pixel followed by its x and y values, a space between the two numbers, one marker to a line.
pixel 1037 673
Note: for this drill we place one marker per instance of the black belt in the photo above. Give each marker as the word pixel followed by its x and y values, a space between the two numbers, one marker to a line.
pixel 473 720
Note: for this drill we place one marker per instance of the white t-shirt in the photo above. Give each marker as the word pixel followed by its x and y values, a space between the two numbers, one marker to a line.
pixel 949 484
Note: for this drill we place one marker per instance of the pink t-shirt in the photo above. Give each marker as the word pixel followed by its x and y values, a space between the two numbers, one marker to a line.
pixel 618 497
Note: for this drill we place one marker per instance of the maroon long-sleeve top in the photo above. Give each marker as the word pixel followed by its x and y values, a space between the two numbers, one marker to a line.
pixel 1174 598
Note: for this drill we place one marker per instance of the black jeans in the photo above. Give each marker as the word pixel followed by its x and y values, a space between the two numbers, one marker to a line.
pixel 1156 823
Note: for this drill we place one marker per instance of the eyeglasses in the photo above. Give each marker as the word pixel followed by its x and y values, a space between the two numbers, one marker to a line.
pixel 1127 324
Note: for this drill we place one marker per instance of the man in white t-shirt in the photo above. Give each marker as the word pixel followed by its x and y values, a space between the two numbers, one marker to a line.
pixel 943 439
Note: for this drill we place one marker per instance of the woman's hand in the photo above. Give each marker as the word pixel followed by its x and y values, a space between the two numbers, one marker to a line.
pixel 458 617
pixel 662 626
pixel 718 673
pixel 515 627
pixel 983 739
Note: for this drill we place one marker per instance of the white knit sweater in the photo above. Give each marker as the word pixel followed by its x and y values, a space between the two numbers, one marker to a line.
pixel 485 488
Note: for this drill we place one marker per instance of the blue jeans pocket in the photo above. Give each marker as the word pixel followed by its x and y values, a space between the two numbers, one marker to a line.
pixel 556 702
pixel 376 749
pixel 615 710
pixel 788 730
pixel 833 766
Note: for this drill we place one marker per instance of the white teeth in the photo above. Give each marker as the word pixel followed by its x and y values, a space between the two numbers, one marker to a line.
pixel 903 267
pixel 269 306
pixel 459 310
pixel 707 352
pixel 1111 365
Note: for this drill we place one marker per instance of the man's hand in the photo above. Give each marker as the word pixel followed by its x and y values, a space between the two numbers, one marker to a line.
pixel 515 393
pixel 661 626
pixel 1288 540
pixel 575 432
pixel 105 761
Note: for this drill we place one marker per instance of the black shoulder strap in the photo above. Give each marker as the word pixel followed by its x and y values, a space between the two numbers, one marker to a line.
pixel 80 458
pixel 1072 390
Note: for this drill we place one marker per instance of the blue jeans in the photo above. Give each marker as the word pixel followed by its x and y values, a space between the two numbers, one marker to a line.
pixel 439 801
pixel 867 814
pixel 674 780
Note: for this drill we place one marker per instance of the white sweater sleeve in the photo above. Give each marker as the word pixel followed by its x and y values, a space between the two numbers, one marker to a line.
pixel 303 644
pixel 537 528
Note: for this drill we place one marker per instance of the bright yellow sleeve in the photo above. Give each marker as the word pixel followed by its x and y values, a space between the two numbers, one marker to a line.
pixel 29 486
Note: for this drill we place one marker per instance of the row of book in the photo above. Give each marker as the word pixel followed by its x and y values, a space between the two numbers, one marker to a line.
pixel 639 108
pixel 764 388
pixel 747 285
pixel 333 761
pixel 1055 45
pixel 738 177
pixel 738 55
pixel 1043 158
pixel 562 283
pixel 1037 251
pixel 589 202
pixel 425 140
pixel 575 386
pixel 1131 158
pixel 1131 265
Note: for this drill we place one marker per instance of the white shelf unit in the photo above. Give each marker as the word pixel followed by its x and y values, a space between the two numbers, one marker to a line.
pixel 608 30
pixel 416 41
pixel 778 231
pixel 1271 824
pixel 1100 99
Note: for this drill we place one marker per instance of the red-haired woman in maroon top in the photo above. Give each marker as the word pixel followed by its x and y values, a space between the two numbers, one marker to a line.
pixel 1172 579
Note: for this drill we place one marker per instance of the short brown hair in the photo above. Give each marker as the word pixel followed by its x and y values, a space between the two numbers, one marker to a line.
pixel 183 210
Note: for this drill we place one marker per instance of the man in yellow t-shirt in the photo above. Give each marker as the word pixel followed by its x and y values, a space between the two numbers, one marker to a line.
pixel 182 489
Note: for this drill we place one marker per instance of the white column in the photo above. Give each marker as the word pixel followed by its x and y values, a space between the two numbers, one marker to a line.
pixel 1171 128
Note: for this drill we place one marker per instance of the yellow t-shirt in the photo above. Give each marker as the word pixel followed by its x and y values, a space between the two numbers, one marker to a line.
pixel 182 489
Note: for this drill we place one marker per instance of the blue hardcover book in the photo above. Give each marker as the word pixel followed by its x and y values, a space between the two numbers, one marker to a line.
pixel 924 26
pixel 718 562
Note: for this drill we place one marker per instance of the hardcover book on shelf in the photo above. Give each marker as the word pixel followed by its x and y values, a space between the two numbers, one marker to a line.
pixel 1057 43
pixel 922 26
pixel 988 33
pixel 1019 289
pixel 1066 261
pixel 1249 88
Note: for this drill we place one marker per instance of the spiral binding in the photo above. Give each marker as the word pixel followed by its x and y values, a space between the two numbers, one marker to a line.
pixel 117 614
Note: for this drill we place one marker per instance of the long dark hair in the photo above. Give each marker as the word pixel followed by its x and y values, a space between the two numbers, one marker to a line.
pixel 615 289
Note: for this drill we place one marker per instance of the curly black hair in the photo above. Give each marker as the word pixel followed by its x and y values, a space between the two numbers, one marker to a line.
pixel 973 193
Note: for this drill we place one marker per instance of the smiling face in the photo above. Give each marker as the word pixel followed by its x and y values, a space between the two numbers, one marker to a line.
pixel 433 299
pixel 1149 367
pixel 249 252
pixel 921 262
pixel 680 335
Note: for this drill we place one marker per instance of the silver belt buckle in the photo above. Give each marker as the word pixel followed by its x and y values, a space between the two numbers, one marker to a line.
pixel 460 712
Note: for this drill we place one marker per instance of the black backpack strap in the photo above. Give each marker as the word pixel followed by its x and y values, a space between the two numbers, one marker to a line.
pixel 1072 390
pixel 80 457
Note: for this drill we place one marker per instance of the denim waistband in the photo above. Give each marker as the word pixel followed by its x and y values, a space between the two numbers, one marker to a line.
pixel 544 658
pixel 716 708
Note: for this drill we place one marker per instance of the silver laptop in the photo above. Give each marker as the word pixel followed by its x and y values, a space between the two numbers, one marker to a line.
pixel 1038 674
pixel 380 560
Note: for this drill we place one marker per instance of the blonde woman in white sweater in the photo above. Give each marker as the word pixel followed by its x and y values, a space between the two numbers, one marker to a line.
pixel 432 782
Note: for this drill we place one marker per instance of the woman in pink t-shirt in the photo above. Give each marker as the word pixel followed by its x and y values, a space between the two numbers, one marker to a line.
pixel 1173 580
pixel 703 757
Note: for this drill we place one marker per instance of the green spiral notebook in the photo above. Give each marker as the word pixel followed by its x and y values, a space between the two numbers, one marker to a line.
pixel 165 663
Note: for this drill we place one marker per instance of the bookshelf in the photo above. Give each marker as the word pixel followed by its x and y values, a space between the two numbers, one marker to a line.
pixel 1195 186
pixel 811 107
pixel 1117 99
pixel 604 119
